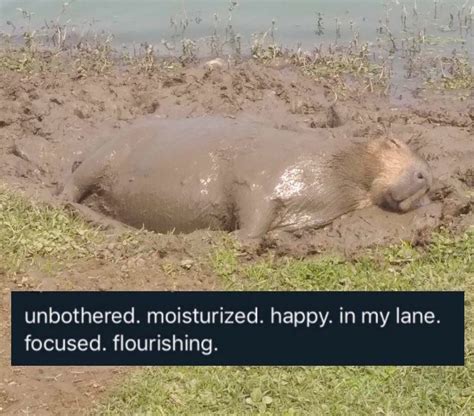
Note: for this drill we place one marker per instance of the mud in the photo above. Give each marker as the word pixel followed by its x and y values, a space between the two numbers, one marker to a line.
pixel 50 121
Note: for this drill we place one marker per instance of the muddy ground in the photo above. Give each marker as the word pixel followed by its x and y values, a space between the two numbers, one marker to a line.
pixel 49 121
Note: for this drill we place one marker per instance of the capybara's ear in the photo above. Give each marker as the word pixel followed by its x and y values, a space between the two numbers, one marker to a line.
pixel 391 143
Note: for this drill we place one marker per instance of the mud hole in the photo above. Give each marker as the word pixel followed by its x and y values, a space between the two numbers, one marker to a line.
pixel 49 122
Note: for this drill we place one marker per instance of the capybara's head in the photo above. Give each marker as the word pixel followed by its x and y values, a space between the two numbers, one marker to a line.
pixel 401 179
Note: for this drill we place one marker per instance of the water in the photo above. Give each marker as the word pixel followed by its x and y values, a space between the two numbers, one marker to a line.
pixel 295 21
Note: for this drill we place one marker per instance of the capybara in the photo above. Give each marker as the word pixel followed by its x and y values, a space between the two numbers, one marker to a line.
pixel 219 173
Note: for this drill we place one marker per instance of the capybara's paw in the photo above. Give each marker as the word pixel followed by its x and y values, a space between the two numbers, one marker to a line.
pixel 247 243
pixel 95 218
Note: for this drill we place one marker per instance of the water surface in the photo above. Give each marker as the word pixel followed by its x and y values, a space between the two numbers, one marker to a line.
pixel 295 21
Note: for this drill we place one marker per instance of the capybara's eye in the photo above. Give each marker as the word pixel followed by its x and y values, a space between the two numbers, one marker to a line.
pixel 420 175
pixel 394 142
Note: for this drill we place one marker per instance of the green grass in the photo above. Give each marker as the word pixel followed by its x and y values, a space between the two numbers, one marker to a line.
pixel 295 391
pixel 444 264
pixel 447 263
pixel 31 231
pixel 456 74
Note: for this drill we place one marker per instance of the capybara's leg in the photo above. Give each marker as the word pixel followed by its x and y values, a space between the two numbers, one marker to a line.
pixel 84 178
pixel 256 215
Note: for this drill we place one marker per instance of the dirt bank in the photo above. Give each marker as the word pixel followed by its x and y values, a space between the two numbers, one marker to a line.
pixel 49 122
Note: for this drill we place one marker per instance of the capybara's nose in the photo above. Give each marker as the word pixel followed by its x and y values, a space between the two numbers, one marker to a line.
pixel 421 176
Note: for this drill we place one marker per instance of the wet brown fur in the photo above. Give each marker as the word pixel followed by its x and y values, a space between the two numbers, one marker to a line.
pixel 366 171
